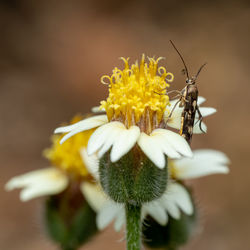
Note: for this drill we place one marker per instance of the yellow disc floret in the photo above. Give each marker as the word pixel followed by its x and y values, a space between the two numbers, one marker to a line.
pixel 137 93
pixel 67 156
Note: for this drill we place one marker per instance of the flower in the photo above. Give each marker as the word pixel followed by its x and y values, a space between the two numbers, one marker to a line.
pixel 176 198
pixel 135 111
pixel 67 166
pixel 69 219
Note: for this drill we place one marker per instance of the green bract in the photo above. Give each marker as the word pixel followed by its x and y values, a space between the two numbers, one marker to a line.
pixel 133 179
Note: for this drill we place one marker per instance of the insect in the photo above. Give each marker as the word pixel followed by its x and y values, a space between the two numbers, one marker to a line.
pixel 188 100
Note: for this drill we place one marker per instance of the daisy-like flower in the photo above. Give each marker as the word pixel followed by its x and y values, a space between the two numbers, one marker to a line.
pixel 69 219
pixel 67 166
pixel 176 198
pixel 135 113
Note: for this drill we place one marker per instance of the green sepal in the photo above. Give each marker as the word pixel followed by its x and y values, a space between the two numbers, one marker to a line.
pixel 69 231
pixel 54 223
pixel 133 179
pixel 170 237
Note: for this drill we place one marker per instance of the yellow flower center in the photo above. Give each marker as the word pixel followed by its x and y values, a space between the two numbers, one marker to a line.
pixel 67 156
pixel 138 94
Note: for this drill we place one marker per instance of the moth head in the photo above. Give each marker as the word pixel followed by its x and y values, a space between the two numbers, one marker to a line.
pixel 190 81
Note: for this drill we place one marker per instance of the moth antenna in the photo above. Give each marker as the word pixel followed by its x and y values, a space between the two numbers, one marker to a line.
pixel 186 70
pixel 201 67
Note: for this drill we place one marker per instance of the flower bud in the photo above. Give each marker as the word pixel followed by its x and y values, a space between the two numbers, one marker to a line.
pixel 69 219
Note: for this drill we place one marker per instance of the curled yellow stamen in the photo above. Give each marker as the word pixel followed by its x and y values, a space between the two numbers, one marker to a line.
pixel 169 79
pixel 139 89
pixel 105 77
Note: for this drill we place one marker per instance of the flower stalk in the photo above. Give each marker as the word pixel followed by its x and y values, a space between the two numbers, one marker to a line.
pixel 133 231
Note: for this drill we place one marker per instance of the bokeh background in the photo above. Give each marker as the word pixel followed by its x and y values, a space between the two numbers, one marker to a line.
pixel 52 55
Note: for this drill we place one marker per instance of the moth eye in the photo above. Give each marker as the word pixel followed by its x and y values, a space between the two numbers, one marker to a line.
pixel 187 81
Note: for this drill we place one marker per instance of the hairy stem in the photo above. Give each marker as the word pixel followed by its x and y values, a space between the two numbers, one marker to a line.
pixel 133 232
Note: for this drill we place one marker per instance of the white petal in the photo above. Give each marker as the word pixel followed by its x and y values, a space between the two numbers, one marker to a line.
pixel 106 215
pixel 47 188
pixel 206 111
pixel 94 195
pixel 201 100
pixel 175 120
pixel 38 183
pixel 204 162
pixel 33 177
pixel 200 170
pixel 180 196
pixel 167 148
pixel 97 109
pixel 170 206
pixel 173 211
pixel 86 124
pixel 208 154
pixel 105 134
pixel 152 150
pixel 91 163
pixel 120 219
pixel 126 140
pixel 111 211
pixel 162 141
pixel 108 144
pixel 113 134
pixel 175 199
pixel 156 211
pixel 175 140
pixel 70 134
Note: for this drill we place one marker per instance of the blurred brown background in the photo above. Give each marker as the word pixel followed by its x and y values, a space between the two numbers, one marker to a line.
pixel 52 55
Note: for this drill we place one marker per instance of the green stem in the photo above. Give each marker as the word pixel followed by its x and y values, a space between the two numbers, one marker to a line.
pixel 133 218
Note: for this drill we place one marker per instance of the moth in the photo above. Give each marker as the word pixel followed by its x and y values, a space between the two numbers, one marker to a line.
pixel 188 100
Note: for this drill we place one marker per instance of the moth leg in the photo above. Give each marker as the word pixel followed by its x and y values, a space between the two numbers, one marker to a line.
pixel 178 95
pixel 200 119
pixel 171 91
pixel 174 91
pixel 173 109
